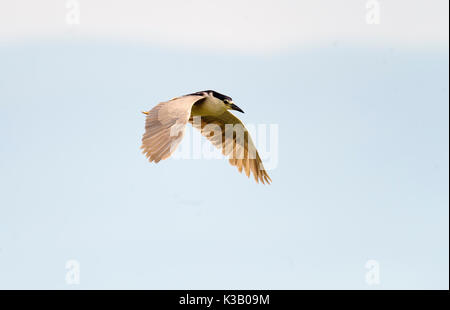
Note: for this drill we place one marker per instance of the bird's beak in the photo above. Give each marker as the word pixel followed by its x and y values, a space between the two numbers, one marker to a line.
pixel 236 108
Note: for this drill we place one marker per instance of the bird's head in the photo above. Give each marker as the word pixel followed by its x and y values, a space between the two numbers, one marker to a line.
pixel 231 106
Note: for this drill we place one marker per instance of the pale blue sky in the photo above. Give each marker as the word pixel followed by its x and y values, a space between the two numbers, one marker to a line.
pixel 362 174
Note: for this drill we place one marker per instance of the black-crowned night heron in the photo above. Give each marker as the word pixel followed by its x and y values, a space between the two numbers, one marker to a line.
pixel 208 112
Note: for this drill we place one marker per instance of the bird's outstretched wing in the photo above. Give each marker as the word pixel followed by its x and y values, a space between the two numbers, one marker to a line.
pixel 235 142
pixel 165 125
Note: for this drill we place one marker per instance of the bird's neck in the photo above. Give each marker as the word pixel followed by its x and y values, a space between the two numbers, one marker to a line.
pixel 208 106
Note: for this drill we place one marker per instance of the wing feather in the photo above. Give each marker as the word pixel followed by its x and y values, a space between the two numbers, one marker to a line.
pixel 241 151
pixel 165 125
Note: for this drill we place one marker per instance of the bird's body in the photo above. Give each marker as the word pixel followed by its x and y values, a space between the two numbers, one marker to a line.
pixel 166 122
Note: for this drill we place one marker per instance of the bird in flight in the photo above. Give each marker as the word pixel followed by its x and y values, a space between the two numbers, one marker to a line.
pixel 208 111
